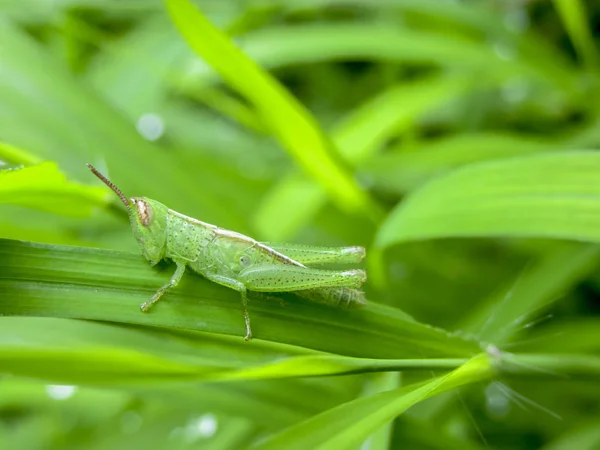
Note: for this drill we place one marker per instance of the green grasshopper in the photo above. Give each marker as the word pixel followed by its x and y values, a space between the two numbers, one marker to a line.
pixel 237 261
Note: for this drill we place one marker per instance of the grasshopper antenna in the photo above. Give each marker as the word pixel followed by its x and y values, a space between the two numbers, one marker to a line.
pixel 115 189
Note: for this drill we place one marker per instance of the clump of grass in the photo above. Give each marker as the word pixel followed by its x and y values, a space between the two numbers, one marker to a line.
pixel 455 141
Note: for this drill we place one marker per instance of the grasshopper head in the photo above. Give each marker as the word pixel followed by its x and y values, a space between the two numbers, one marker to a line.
pixel 148 219
pixel 149 222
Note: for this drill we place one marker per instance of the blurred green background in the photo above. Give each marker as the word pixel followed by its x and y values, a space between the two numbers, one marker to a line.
pixel 454 139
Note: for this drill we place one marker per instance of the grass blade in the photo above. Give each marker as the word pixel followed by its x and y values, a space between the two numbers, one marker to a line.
pixel 44 188
pixel 503 315
pixel 552 195
pixel 574 16
pixel 314 42
pixel 15 156
pixel 349 424
pixel 291 123
pixel 116 355
pixel 294 201
pixel 110 286
pixel 403 169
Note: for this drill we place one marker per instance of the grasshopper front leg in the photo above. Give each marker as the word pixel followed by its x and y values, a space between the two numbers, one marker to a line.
pixel 171 284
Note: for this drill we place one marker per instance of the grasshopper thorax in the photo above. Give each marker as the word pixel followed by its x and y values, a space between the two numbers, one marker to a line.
pixel 149 223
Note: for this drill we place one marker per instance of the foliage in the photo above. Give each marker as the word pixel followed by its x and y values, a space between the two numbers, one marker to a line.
pixel 454 139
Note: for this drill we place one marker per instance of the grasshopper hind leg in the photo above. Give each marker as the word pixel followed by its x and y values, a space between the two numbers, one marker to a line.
pixel 309 255
pixel 241 288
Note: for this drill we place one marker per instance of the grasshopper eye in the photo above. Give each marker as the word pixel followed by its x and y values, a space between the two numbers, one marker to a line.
pixel 144 212
pixel 244 260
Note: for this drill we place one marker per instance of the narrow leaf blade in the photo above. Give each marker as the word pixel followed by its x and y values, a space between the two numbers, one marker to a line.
pixel 349 424
pixel 551 195
pixel 292 124
pixel 45 188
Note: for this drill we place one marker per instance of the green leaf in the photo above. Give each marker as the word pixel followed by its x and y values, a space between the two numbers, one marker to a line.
pixel 14 155
pixel 552 195
pixel 564 336
pixel 108 354
pixel 43 187
pixel 583 436
pixel 569 365
pixel 131 72
pixel 575 18
pixel 475 15
pixel 376 383
pixel 108 285
pixel 104 354
pixel 291 123
pixel 280 46
pixel 502 316
pixel 349 424
pixel 74 125
pixel 296 199
pixel 403 169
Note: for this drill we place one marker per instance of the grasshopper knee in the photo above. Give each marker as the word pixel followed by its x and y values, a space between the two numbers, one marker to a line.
pixel 357 274
pixel 357 253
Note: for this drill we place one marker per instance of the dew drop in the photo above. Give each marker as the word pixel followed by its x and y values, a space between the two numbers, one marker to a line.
pixel 504 52
pixel 497 403
pixel 58 392
pixel 131 422
pixel 150 126
pixel 204 426
pixel 517 20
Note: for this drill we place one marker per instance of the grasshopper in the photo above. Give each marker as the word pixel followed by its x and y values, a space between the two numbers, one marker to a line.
pixel 238 261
